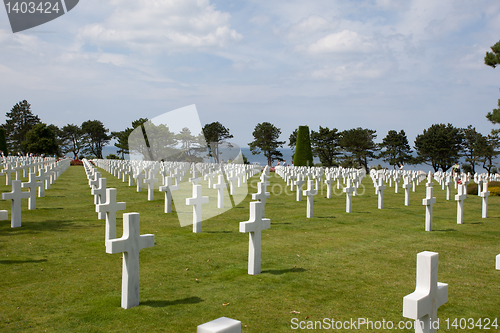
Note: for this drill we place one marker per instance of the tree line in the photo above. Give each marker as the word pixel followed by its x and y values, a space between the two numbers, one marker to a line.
pixel 438 146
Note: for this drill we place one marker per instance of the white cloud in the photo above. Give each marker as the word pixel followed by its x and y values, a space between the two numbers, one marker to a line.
pixel 346 41
pixel 157 26
pixel 351 71
pixel 310 25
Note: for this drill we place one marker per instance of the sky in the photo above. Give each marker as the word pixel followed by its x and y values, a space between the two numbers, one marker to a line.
pixel 377 64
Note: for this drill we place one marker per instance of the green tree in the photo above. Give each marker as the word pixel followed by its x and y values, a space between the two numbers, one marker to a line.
pixel 358 142
pixel 325 145
pixel 487 148
pixel 215 134
pixel 73 139
pixel 122 141
pixel 266 137
pixel 472 145
pixel 3 142
pixel 494 116
pixel 112 157
pixel 303 152
pixel 20 120
pixel 97 136
pixel 191 146
pixel 395 149
pixel 41 139
pixel 493 58
pixel 439 146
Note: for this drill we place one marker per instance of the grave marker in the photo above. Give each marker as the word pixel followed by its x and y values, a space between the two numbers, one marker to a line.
pixel 254 226
pixel 309 193
pixel 196 201
pixel 16 195
pixel 460 203
pixel 130 244
pixel 109 208
pixel 429 294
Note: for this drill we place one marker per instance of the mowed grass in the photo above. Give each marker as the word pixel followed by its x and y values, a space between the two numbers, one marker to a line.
pixel 57 277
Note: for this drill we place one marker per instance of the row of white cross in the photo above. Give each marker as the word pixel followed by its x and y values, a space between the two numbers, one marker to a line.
pixel 132 241
pixel 48 171
pixel 421 305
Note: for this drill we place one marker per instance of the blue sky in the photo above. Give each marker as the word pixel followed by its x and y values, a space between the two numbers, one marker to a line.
pixel 378 64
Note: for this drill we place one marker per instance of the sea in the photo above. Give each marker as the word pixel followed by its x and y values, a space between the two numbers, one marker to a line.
pixel 287 156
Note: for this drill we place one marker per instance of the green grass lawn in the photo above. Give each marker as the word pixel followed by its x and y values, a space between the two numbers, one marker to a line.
pixel 57 277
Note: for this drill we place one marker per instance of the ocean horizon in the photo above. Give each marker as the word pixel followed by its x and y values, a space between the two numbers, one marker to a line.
pixel 287 156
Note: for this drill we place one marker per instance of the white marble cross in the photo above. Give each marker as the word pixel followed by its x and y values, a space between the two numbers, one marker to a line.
pixel 8 173
pixel 130 244
pixel 484 195
pixel 93 183
pixel 220 186
pixel 109 208
pixel 428 202
pixel 262 196
pixel 447 183
pixel 460 203
pixel 168 188
pixel 232 179
pixel 298 183
pixel 194 179
pixel 16 195
pixel 380 189
pixel 43 178
pixel 348 191
pixel 329 181
pixel 32 184
pixel 139 178
pixel 254 226
pixel 99 193
pixel 151 181
pixel 196 201
pixel 309 193
pixel 429 294
pixel 406 186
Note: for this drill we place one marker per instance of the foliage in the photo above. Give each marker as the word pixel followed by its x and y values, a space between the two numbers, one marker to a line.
pixel 191 147
pixel 97 136
pixel 215 134
pixel 112 157
pixel 73 139
pixel 3 142
pixel 494 116
pixel 472 145
pixel 325 145
pixel 292 140
pixel 439 146
pixel 488 150
pixel 41 139
pixel 358 142
pixel 20 120
pixel 303 152
pixel 493 58
pixel 76 162
pixel 266 137
pixel 395 149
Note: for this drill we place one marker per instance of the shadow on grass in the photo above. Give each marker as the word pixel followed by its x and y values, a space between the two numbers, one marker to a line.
pixel 39 226
pixel 159 304
pixel 9 262
pixel 273 223
pixel 325 217
pixel 445 230
pixel 219 232
pixel 283 271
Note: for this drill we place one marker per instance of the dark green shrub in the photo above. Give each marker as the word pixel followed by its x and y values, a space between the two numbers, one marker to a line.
pixel 303 153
